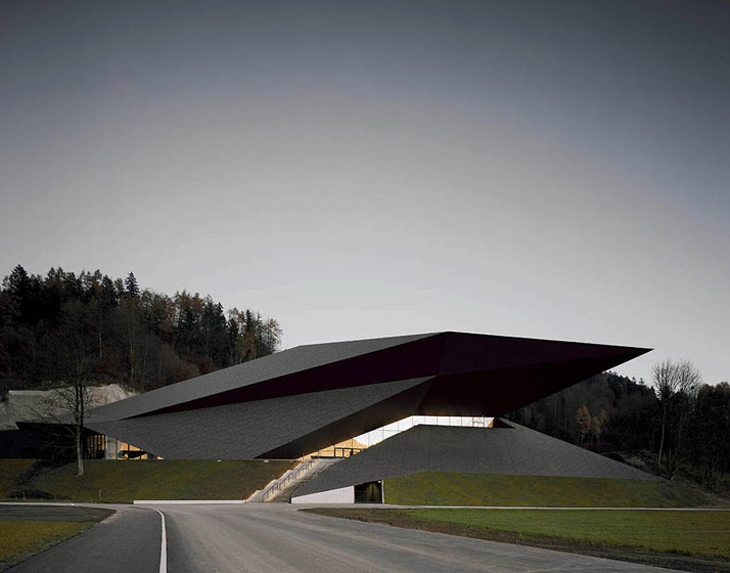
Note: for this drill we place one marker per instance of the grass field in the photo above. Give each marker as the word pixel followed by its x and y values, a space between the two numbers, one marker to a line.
pixel 432 488
pixel 20 539
pixel 28 529
pixel 686 532
pixel 686 540
pixel 9 472
pixel 124 481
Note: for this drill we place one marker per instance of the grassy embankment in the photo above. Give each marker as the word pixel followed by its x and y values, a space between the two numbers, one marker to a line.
pixel 432 488
pixel 124 481
pixel 10 473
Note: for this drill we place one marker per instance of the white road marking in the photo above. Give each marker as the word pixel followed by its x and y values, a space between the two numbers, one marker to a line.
pixel 163 544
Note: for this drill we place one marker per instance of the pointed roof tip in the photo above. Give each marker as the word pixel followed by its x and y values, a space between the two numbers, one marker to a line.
pixel 633 351
pixel 398 339
pixel 637 350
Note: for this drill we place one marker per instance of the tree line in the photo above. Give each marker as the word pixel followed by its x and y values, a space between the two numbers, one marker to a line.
pixel 72 330
pixel 63 326
pixel 675 424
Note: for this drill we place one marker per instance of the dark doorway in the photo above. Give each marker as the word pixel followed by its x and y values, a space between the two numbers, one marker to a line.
pixel 369 492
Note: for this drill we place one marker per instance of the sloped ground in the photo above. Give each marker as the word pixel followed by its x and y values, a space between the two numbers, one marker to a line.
pixel 124 481
pixel 455 489
pixel 10 473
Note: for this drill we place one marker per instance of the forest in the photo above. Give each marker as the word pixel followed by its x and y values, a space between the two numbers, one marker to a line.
pixel 89 326
pixel 675 426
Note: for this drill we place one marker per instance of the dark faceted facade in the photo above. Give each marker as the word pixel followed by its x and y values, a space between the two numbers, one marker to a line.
pixel 300 400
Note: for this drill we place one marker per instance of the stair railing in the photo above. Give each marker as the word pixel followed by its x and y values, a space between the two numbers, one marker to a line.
pixel 277 486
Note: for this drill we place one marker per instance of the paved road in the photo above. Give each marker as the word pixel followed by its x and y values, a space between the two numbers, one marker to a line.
pixel 277 538
pixel 127 541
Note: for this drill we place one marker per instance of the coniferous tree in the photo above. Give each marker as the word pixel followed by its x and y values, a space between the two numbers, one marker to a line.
pixel 141 338
pixel 131 288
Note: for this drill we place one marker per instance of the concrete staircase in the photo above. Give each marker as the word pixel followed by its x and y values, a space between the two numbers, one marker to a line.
pixel 279 490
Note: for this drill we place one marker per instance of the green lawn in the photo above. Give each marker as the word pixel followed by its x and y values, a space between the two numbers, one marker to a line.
pixel 454 489
pixel 124 481
pixel 9 472
pixel 698 533
pixel 26 529
pixel 19 539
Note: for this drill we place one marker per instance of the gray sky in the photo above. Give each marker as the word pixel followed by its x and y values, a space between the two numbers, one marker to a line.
pixel 358 169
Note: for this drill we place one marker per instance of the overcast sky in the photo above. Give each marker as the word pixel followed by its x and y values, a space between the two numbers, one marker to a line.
pixel 361 169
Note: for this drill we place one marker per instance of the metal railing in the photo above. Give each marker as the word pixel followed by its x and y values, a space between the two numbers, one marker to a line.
pixel 343 452
pixel 281 484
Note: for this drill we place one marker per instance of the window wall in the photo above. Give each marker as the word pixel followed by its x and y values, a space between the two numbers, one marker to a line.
pixel 375 436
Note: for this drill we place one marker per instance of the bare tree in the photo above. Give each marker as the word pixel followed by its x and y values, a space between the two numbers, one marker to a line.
pixel 672 380
pixel 72 354
pixel 67 406
pixel 583 417
pixel 272 333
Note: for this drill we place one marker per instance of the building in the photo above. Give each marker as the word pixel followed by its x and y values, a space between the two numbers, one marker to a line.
pixel 308 398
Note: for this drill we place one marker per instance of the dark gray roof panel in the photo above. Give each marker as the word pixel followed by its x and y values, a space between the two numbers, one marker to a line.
pixel 466 352
pixel 511 450
pixel 296 424
pixel 277 365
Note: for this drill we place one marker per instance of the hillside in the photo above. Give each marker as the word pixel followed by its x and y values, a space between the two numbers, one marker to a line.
pixel 112 481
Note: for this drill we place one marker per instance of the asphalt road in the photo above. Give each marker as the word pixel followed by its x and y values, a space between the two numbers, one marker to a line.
pixel 127 541
pixel 276 537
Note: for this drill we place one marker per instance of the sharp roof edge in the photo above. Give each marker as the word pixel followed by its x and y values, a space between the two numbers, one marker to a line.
pixel 297 359
pixel 282 363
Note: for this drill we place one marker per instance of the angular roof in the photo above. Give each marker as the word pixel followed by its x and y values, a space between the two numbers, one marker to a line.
pixel 300 400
